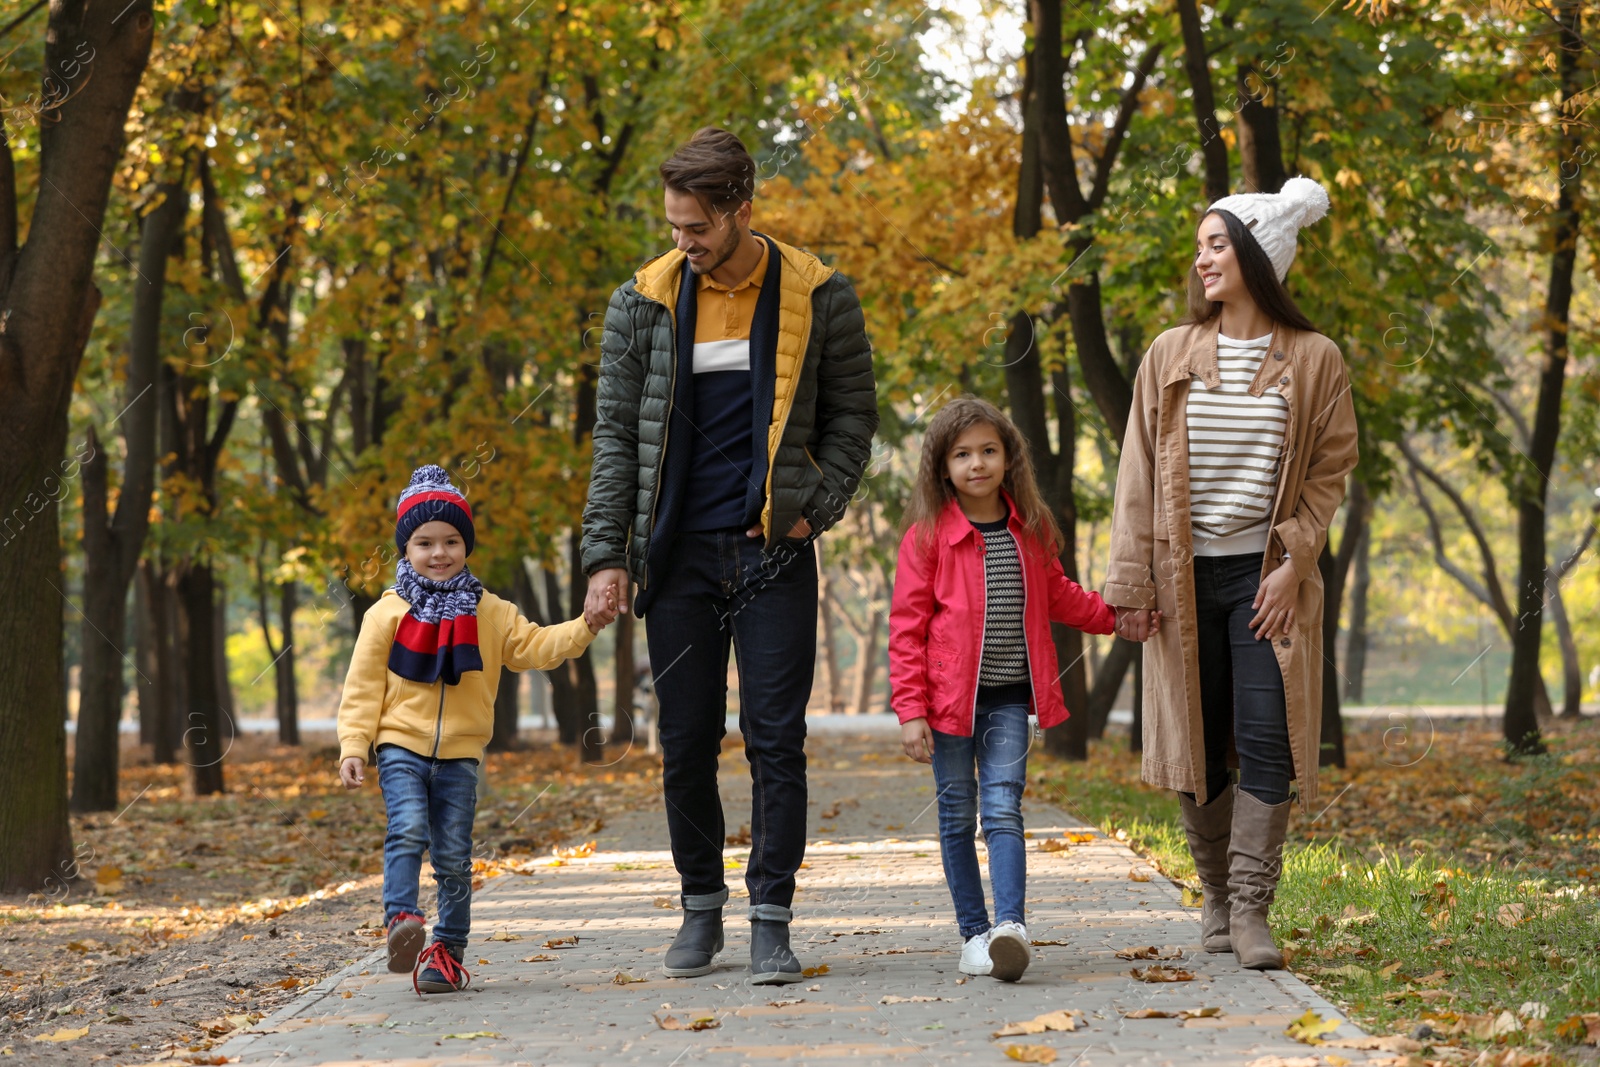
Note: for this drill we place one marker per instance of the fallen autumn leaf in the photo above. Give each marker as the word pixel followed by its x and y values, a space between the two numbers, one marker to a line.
pixel 1150 952
pixel 1159 973
pixel 63 1034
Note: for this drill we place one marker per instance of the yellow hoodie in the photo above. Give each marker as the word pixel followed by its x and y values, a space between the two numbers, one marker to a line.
pixel 444 721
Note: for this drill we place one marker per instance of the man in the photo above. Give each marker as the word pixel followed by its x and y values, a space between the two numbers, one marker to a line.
pixel 735 416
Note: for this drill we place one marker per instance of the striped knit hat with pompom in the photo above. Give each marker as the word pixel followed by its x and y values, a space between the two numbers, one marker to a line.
pixel 431 498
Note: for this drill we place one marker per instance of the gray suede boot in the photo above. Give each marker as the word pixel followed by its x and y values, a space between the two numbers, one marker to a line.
pixel 1255 862
pixel 1208 827
pixel 699 938
pixel 772 962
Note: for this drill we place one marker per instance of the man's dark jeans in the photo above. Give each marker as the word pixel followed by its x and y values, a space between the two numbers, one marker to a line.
pixel 1241 685
pixel 716 592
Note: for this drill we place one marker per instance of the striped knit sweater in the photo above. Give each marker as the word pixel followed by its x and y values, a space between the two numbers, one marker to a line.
pixel 1005 649
pixel 1234 444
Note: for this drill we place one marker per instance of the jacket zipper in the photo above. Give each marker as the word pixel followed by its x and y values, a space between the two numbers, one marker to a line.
pixel 772 458
pixel 438 723
pixel 983 626
pixel 666 433
pixel 772 530
pixel 1027 656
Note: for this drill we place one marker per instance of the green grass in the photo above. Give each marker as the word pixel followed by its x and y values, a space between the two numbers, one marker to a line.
pixel 1402 942
pixel 1453 934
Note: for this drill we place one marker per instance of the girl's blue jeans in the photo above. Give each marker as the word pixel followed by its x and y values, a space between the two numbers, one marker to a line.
pixel 431 803
pixel 983 775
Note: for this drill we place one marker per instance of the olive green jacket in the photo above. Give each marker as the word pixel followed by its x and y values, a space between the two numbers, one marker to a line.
pixel 819 436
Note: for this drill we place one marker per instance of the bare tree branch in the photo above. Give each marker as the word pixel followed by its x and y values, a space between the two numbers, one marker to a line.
pixel 1516 416
pixel 1558 571
pixel 1446 564
pixel 1126 110
pixel 24 17
pixel 1492 593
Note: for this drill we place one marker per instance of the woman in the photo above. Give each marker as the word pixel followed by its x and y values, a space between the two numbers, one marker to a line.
pixel 1238 444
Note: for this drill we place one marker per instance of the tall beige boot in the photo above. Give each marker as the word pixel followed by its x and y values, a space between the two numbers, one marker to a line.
pixel 1208 827
pixel 1255 862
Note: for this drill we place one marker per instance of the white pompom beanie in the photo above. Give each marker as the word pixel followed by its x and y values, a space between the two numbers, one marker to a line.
pixel 1275 218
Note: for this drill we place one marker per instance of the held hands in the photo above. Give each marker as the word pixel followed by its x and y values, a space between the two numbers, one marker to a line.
pixel 352 771
pixel 606 599
pixel 1274 603
pixel 916 739
pixel 1137 624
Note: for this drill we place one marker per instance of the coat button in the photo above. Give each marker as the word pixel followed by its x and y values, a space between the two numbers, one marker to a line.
pixel 1284 380
pixel 1284 642
pixel 1277 355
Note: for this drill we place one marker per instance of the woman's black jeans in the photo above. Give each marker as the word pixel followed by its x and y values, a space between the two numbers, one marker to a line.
pixel 1241 687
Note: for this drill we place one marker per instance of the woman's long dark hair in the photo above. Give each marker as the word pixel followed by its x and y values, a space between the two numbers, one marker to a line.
pixel 1260 280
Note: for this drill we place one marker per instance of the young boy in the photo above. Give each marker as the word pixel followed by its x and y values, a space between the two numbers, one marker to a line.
pixel 421 689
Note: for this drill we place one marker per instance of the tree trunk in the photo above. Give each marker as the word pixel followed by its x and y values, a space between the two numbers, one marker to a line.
pixel 1330 750
pixel 1521 722
pixel 564 679
pixel 832 681
pixel 624 673
pixel 228 712
pixel 506 706
pixel 1102 375
pixel 1213 149
pixel 144 640
pixel 203 737
pixel 288 691
pixel 1355 655
pixel 33 796
pixel 1260 146
pixel 1136 728
pixel 166 638
pixel 49 299
pixel 508 696
pixel 1571 672
pixel 1108 683
pixel 867 667
pixel 1334 569
pixel 97 746
pixel 586 691
pixel 112 543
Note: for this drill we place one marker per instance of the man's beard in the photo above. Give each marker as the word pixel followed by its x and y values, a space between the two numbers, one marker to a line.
pixel 720 255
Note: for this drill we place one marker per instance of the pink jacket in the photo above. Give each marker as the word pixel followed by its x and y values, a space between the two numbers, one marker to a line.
pixel 936 623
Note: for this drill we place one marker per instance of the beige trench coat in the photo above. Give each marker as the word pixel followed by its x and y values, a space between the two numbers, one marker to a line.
pixel 1152 546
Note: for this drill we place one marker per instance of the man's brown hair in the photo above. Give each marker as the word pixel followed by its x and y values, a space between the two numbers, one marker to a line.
pixel 715 168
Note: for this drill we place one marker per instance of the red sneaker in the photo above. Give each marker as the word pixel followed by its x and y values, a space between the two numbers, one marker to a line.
pixel 439 970
pixel 405 941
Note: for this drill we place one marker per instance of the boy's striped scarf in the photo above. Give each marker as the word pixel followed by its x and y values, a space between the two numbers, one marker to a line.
pixel 438 637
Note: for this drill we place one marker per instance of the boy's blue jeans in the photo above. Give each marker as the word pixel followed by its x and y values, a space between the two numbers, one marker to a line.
pixel 998 752
pixel 431 803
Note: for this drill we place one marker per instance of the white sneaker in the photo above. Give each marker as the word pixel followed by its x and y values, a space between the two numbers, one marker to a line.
pixel 975 955
pixel 1009 951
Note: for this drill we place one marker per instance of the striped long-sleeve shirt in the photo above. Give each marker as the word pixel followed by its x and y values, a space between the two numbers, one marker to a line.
pixel 1235 440
pixel 1005 648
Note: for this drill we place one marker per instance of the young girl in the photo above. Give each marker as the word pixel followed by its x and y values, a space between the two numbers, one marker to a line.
pixel 970 657
pixel 421 689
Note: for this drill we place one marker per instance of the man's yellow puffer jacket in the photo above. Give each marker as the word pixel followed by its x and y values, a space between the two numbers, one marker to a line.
pixel 445 721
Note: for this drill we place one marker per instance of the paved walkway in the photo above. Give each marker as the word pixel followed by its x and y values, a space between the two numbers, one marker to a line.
pixel 873 911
